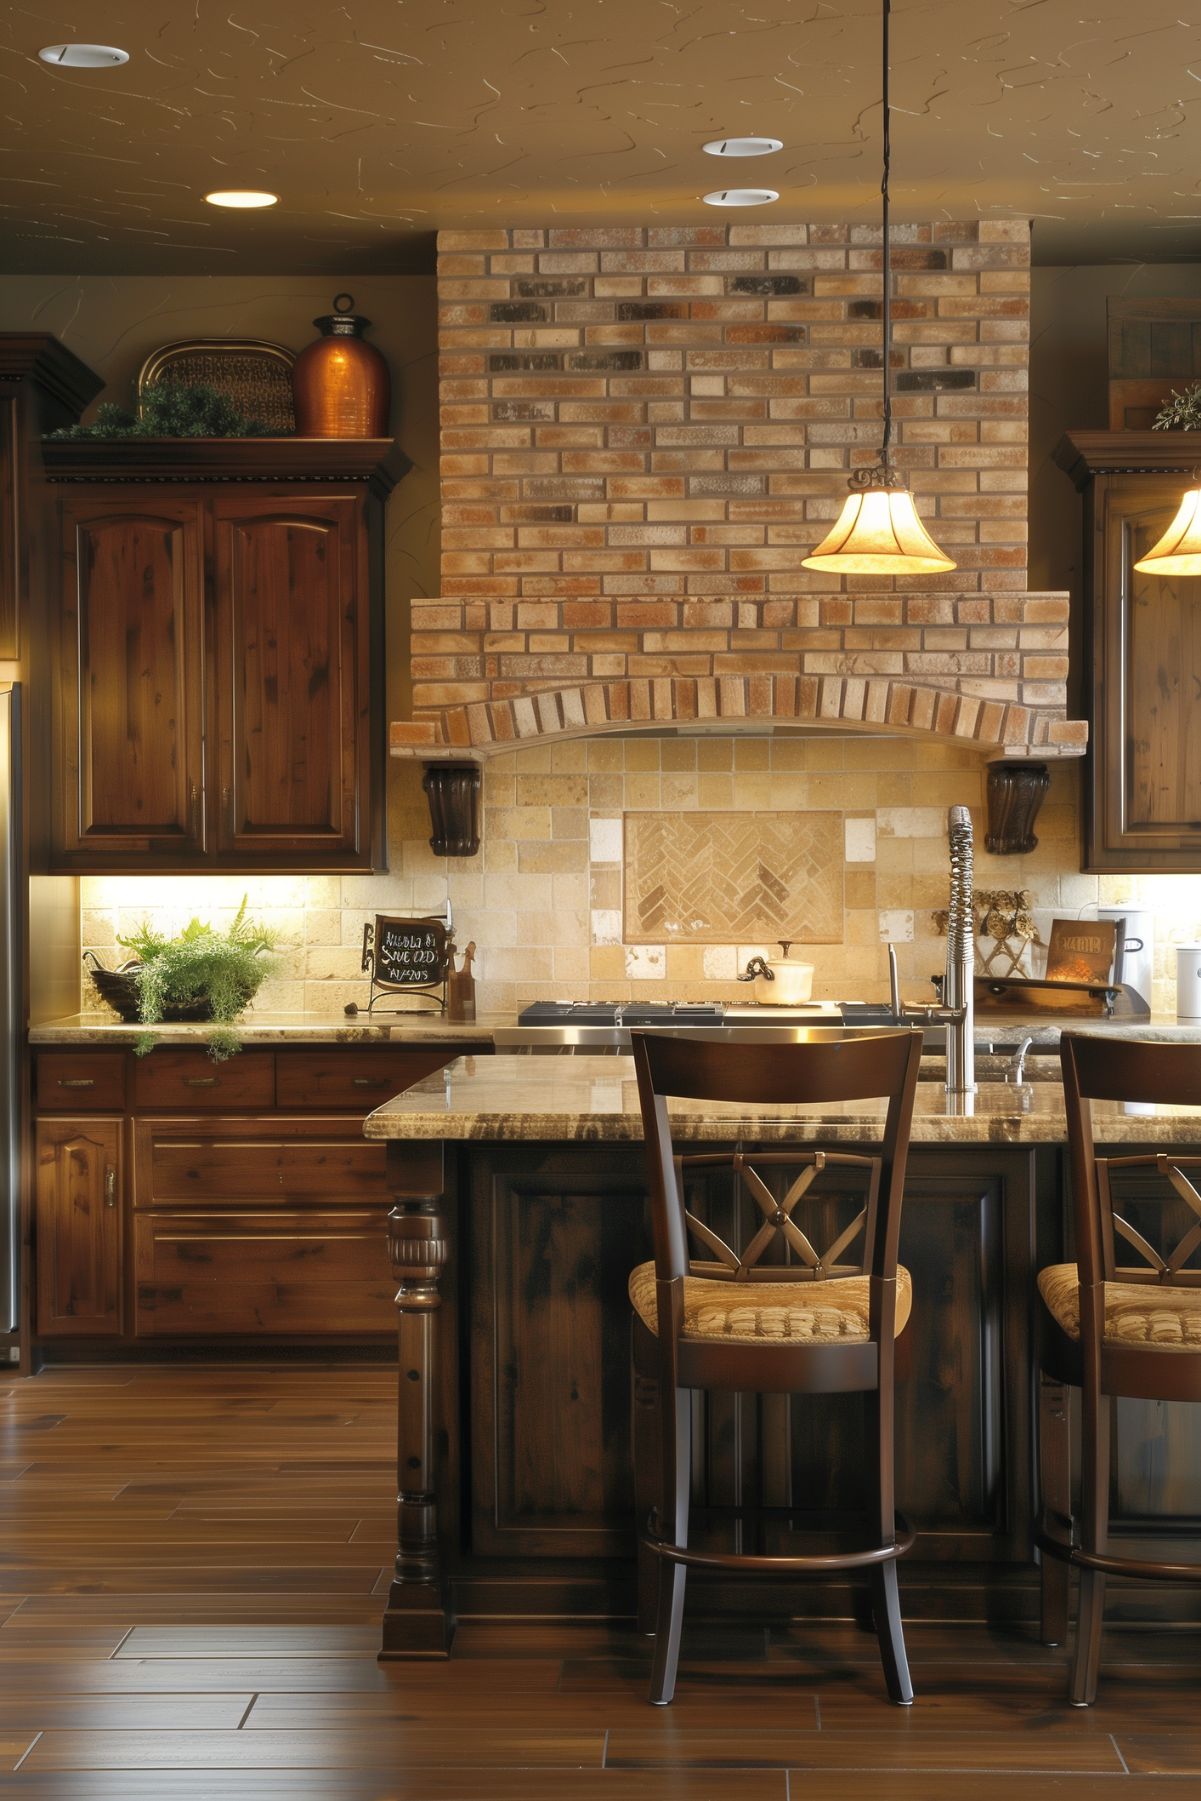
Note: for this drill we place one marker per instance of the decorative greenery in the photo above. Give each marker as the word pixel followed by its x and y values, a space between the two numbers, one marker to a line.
pixel 1182 412
pixel 171 409
pixel 201 964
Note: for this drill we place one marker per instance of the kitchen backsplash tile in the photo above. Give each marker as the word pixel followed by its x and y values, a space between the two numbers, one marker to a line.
pixel 719 878
pixel 543 898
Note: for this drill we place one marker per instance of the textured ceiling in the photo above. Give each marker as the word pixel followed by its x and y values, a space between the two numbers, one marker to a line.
pixel 378 121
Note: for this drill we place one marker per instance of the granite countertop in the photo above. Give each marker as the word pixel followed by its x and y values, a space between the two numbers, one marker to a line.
pixel 278 1028
pixel 584 1099
pixel 433 1028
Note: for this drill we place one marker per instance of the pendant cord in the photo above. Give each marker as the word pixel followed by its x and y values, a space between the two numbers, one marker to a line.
pixel 886 311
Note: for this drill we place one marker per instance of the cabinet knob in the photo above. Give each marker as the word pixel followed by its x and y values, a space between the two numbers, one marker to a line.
pixel 110 1187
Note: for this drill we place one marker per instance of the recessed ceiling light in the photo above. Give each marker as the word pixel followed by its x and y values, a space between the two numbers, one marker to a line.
pixel 241 198
pixel 83 56
pixel 741 197
pixel 744 146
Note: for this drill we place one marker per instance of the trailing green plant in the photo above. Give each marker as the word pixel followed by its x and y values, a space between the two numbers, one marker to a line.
pixel 224 968
pixel 171 409
pixel 1182 412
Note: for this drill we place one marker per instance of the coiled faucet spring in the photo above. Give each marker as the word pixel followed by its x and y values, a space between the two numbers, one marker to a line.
pixel 961 935
pixel 958 990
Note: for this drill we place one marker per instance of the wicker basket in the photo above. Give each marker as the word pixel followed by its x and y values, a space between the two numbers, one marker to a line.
pixel 120 989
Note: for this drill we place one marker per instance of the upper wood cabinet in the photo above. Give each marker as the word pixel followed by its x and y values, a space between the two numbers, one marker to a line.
pixel 43 385
pixel 220 701
pixel 1141 656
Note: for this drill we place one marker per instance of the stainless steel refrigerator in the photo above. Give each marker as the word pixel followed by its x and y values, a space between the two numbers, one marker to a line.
pixel 12 987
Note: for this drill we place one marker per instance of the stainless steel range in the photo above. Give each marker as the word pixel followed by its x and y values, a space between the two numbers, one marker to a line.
pixel 604 1026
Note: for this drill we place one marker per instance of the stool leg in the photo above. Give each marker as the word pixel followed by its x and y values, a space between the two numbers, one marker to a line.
pixel 886 1600
pixel 644 1432
pixel 1055 1477
pixel 1094 1534
pixel 676 1410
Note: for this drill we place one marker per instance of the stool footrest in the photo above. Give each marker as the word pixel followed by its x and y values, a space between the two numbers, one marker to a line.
pixel 782 1563
pixel 1110 1564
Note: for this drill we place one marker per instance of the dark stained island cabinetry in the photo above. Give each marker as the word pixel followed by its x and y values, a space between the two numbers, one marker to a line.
pixel 1141 655
pixel 520 1211
pixel 219 669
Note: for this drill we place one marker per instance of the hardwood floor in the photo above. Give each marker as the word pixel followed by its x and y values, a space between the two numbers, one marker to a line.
pixel 190 1591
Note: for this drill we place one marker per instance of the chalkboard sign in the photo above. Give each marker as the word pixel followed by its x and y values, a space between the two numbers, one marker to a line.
pixel 406 956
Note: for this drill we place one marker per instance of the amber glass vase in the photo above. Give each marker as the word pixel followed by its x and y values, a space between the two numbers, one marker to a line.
pixel 340 383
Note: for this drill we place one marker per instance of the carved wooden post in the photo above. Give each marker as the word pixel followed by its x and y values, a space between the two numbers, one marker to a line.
pixel 417 1621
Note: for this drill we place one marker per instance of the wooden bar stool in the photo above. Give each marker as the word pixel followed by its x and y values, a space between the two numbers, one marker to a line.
pixel 807 1323
pixel 1111 1329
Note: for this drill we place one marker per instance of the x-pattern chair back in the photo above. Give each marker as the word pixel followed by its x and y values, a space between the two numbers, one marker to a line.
pixel 1170 1269
pixel 779 1226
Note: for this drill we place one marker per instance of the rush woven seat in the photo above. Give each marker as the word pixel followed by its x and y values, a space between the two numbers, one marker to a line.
pixel 834 1312
pixel 1112 1328
pixel 1162 1318
pixel 782 1316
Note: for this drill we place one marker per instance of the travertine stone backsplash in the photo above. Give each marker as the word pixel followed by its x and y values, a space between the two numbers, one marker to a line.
pixel 544 897
pixel 717 878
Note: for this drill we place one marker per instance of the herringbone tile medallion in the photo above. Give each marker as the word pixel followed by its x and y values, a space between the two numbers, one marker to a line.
pixel 733 878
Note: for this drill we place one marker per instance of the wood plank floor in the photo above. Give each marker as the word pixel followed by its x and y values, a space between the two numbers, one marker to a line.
pixel 190 1571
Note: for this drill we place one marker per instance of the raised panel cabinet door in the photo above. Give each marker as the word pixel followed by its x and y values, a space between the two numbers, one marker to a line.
pixel 77 1225
pixel 292 690
pixel 1146 758
pixel 131 737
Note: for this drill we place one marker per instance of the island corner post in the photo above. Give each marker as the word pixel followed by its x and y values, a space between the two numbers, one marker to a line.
pixel 417 1620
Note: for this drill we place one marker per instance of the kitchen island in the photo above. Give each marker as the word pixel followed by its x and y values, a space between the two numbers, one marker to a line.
pixel 519 1210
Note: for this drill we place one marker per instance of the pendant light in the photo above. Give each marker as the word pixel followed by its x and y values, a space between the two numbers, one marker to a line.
pixel 878 531
pixel 1178 552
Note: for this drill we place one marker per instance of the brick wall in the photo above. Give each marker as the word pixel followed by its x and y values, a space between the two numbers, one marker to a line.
pixel 644 430
pixel 670 410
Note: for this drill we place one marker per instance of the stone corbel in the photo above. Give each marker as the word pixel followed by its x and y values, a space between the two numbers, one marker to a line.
pixel 453 792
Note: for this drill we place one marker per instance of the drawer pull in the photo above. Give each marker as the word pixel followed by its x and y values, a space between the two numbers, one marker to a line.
pixel 369 1082
pixel 200 1081
pixel 77 1081
pixel 110 1187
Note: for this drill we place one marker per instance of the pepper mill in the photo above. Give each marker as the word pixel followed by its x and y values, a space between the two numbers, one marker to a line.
pixel 340 383
pixel 460 989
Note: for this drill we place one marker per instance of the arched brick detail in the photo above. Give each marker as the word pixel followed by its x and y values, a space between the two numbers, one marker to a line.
pixel 871 704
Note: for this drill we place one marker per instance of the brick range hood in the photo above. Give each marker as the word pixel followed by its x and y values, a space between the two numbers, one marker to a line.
pixel 643 432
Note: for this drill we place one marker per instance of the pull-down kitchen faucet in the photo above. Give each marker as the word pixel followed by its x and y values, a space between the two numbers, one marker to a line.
pixel 957 1009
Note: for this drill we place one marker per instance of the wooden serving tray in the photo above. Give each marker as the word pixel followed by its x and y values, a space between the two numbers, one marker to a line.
pixel 1033 994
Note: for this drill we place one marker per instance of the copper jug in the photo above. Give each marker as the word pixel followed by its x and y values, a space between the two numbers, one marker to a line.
pixel 340 384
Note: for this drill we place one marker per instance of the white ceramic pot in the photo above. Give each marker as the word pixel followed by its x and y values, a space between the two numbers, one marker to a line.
pixel 791 980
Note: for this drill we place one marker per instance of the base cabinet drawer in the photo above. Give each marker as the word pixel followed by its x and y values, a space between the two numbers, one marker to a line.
pixel 295 1273
pixel 79 1081
pixel 190 1082
pixel 253 1164
pixel 362 1079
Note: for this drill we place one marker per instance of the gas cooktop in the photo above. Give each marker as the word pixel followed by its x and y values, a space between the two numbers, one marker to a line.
pixel 622 1013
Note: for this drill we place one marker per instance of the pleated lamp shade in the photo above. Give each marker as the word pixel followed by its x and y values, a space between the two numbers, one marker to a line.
pixel 878 532
pixel 1179 550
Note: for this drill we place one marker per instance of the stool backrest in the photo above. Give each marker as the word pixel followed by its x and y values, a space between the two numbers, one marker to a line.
pixel 1142 1071
pixel 829 1067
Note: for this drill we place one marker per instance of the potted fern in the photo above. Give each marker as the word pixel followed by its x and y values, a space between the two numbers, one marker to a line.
pixel 202 973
